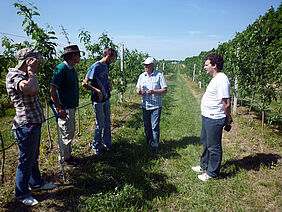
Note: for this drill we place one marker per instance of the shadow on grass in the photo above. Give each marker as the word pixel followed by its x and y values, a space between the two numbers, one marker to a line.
pixel 127 164
pixel 251 162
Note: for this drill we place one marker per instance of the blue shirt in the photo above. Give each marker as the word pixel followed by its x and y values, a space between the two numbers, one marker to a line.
pixel 146 82
pixel 99 76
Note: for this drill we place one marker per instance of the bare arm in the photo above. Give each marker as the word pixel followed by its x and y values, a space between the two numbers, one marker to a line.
pixel 86 84
pixel 31 85
pixel 159 91
pixel 227 109
pixel 54 96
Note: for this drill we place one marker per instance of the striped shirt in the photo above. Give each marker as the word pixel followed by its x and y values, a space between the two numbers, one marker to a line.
pixel 155 81
pixel 28 108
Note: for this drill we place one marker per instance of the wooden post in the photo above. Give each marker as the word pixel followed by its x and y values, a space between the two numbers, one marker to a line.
pixel 194 72
pixel 236 84
pixel 48 127
pixel 121 67
pixel 3 159
pixel 235 95
pixel 262 123
pixel 78 122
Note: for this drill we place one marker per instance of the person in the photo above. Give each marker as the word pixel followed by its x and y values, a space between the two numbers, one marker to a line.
pixel 64 92
pixel 23 88
pixel 97 80
pixel 215 109
pixel 151 85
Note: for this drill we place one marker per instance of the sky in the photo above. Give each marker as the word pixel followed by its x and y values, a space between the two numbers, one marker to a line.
pixel 165 29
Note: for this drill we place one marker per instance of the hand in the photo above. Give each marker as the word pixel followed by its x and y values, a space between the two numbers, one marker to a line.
pixel 62 113
pixel 142 92
pixel 229 120
pixel 33 65
pixel 150 92
pixel 100 96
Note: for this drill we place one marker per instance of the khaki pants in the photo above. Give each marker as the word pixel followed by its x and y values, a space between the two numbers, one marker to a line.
pixel 67 127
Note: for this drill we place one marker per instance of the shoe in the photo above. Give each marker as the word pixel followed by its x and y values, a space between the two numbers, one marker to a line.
pixel 204 177
pixel 47 186
pixel 29 201
pixel 108 149
pixel 72 161
pixel 155 150
pixel 96 151
pixel 197 169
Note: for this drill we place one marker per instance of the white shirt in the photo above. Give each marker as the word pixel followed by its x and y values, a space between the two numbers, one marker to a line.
pixel 218 88
pixel 155 81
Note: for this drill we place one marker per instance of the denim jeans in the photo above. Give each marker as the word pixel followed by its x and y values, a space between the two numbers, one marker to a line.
pixel 28 138
pixel 151 120
pixel 211 136
pixel 103 122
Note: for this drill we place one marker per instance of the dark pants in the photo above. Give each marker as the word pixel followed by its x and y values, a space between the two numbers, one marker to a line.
pixel 151 120
pixel 211 136
pixel 28 138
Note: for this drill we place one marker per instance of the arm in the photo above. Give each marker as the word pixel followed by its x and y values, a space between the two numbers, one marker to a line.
pixel 227 109
pixel 31 85
pixel 159 91
pixel 85 84
pixel 54 96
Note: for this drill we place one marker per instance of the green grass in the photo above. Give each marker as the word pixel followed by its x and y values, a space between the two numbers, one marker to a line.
pixel 131 178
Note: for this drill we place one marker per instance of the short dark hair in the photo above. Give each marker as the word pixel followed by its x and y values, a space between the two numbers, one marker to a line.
pixel 110 51
pixel 215 58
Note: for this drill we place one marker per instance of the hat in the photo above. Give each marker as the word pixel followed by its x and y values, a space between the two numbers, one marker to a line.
pixel 24 54
pixel 70 49
pixel 149 60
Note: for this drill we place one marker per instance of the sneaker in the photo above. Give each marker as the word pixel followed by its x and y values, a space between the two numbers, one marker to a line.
pixel 155 150
pixel 47 186
pixel 197 169
pixel 72 161
pixel 96 151
pixel 204 177
pixel 29 201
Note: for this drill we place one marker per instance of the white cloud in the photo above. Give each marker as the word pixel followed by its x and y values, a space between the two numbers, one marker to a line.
pixel 193 32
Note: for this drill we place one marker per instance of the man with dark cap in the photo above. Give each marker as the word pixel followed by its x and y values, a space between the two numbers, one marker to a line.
pixel 23 88
pixel 65 95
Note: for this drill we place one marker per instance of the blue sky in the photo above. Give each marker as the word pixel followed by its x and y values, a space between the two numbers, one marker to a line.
pixel 165 29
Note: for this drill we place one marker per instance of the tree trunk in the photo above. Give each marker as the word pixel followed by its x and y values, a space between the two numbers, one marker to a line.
pixel 47 124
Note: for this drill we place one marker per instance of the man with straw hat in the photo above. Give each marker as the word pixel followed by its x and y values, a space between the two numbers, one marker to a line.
pixel 65 95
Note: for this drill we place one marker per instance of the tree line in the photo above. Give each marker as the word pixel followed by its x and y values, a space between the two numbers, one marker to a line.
pixel 253 60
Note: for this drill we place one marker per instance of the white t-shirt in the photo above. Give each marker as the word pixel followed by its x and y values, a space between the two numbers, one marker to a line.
pixel 218 88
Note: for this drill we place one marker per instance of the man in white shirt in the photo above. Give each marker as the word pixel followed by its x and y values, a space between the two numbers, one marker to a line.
pixel 216 108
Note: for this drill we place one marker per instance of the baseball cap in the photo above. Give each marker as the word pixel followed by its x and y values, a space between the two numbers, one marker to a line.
pixel 149 60
pixel 26 53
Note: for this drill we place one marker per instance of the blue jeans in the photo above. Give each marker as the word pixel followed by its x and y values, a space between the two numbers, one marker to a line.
pixel 28 138
pixel 211 136
pixel 103 121
pixel 151 120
